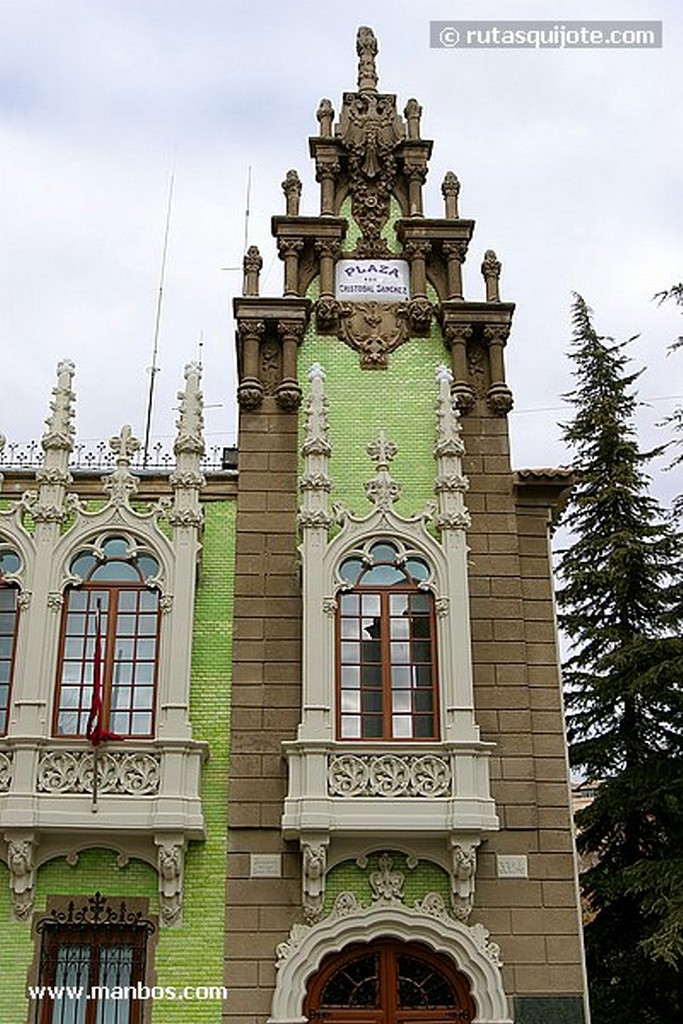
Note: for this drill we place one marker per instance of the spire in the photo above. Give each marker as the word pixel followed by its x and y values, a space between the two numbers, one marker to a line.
pixel 366 48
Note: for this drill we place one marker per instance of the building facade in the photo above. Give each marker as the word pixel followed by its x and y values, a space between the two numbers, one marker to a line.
pixel 400 832
pixel 335 779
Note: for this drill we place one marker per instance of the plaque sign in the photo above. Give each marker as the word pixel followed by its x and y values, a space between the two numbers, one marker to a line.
pixel 372 280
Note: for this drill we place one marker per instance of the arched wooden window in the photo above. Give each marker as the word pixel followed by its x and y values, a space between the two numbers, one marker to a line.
pixel 9 622
pixel 129 641
pixel 386 650
pixel 388 981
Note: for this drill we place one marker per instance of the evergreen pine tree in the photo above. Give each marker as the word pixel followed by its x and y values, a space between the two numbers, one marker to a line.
pixel 620 608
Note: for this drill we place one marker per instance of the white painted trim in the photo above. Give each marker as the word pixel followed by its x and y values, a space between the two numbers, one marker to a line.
pixel 444 935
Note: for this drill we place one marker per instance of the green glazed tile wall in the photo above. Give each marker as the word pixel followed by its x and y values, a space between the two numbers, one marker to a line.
pixel 193 954
pixel 349 877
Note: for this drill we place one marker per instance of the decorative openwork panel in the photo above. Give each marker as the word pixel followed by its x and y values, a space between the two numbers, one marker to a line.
pixel 64 771
pixel 387 658
pixel 389 775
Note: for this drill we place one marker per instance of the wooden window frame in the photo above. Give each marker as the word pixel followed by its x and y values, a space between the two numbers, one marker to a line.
pixel 4 709
pixel 113 590
pixel 385 593
pixel 389 951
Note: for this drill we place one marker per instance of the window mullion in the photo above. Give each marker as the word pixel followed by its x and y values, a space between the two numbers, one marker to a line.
pixel 385 629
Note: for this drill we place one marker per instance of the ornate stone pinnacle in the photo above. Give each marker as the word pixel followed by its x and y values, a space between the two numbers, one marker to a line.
pixel 366 48
pixel 444 373
pixel 121 483
pixel 316 372
pixel 190 423
pixel 60 431
pixel 291 187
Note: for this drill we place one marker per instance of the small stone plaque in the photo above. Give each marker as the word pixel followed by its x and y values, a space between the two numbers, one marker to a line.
pixel 266 865
pixel 512 866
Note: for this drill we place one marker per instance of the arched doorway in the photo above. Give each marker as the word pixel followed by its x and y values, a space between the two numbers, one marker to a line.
pixel 388 982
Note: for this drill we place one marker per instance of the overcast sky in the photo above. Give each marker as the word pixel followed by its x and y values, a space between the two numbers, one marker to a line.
pixel 570 162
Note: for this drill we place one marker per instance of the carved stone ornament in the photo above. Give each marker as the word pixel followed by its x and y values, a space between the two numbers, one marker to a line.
pixel 389 775
pixel 463 874
pixel 370 129
pixel 374 329
pixel 6 765
pixel 20 853
pixel 420 312
pixel 190 422
pixel 313 868
pixel 66 771
pixel 327 312
pixel 250 395
pixel 121 484
pixel 382 490
pixel 288 395
pixel 171 865
pixel 270 366
pixel 387 883
pixel 499 399
pixel 325 116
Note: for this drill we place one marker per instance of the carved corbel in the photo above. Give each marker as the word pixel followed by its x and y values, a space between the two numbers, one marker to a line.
pixel 313 869
pixel 463 876
pixel 171 870
pixel 20 861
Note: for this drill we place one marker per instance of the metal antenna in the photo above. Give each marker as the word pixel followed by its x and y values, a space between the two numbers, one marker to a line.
pixel 246 220
pixel 200 350
pixel 154 369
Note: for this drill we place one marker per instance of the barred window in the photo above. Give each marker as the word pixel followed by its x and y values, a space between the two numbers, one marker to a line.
pixel 9 622
pixel 91 957
pixel 386 650
pixel 115 582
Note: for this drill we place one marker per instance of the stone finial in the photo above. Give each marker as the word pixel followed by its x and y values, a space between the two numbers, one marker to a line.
pixel 291 187
pixel 490 269
pixel 252 264
pixel 120 484
pixel 325 115
pixel 412 114
pixel 382 490
pixel 190 422
pixel 450 190
pixel 366 48
pixel 60 432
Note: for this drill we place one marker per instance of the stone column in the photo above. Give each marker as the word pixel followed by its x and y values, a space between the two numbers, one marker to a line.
pixel 456 336
pixel 250 390
pixel 450 190
pixel 289 249
pixel 291 187
pixel 253 264
pixel 288 392
pixel 490 269
pixel 455 253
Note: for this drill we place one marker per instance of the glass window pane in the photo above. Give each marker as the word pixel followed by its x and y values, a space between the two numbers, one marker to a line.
pixel 350 727
pixel 400 629
pixel 9 562
pixel 400 700
pixel 8 599
pixel 122 571
pixel 75 625
pixel 423 675
pixel 147 625
pixel 423 700
pixel 372 727
pixel 350 629
pixel 372 675
pixel 350 676
pixel 398 603
pixel 383 553
pixel 371 604
pixel 372 650
pixel 350 700
pixel 143 698
pixel 116 547
pixel 144 672
pixel 421 626
pixel 128 600
pixel 71 672
pixel 402 726
pixel 7 620
pixel 400 676
pixel 125 625
pixel 118 722
pixel 123 673
pixel 121 697
pixel 149 600
pixel 424 726
pixel 422 651
pixel 148 566
pixel 73 647
pixel 5 666
pixel 400 654
pixel 382 575
pixel 6 644
pixel 146 649
pixel 69 696
pixel 418 569
pixel 67 723
pixel 372 700
pixel 350 652
pixel 351 569
pixel 349 604
pixel 420 602
pixel 142 723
